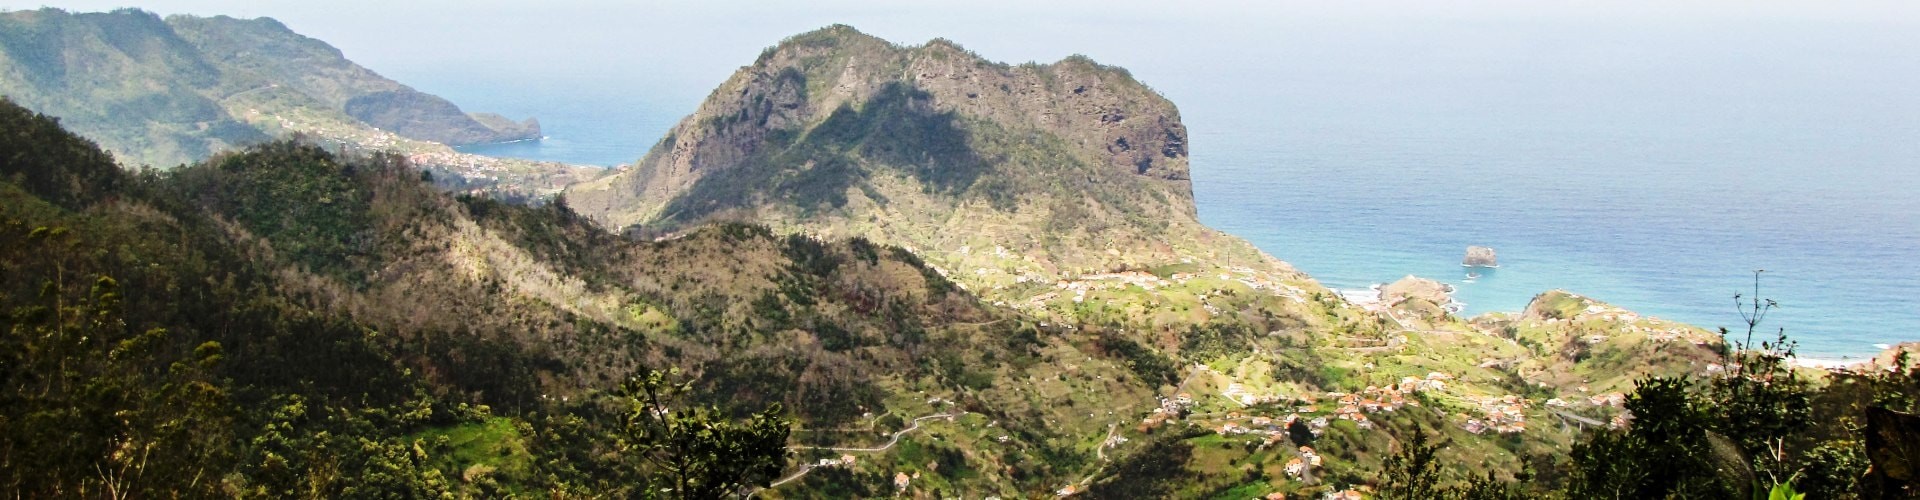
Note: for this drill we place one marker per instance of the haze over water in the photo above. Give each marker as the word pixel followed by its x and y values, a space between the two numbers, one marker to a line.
pixel 1644 154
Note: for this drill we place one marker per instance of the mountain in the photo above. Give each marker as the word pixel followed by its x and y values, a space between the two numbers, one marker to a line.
pixel 124 77
pixel 170 91
pixel 319 298
pixel 288 319
pixel 1002 174
pixel 275 55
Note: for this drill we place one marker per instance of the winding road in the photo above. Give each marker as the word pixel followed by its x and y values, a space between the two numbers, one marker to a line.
pixel 895 440
pixel 805 468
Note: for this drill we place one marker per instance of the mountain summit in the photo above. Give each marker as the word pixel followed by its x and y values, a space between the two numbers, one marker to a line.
pixel 1051 169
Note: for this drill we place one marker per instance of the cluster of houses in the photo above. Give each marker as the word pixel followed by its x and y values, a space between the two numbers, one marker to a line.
pixel 1613 399
pixel 1504 415
pixel 1389 399
pixel 1352 407
pixel 1238 393
pixel 1274 430
pixel 843 461
pixel 1656 331
pixel 1254 280
pixel 1148 281
pixel 1111 281
pixel 1434 381
pixel 1299 467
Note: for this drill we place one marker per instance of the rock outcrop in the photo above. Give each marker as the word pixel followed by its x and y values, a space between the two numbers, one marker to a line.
pixel 1068 167
pixel 1425 297
pixel 1479 256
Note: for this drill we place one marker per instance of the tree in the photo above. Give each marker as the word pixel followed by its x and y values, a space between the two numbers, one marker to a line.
pixel 1667 451
pixel 693 451
pixel 1414 471
pixel 1761 403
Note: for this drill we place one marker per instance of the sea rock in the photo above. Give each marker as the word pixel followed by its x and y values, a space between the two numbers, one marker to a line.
pixel 1422 296
pixel 1479 256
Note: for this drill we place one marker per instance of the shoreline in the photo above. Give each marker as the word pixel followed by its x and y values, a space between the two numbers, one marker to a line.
pixel 1830 363
pixel 1370 296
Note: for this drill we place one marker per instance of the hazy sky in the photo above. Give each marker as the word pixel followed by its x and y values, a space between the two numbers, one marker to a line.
pixel 1777 71
pixel 674 45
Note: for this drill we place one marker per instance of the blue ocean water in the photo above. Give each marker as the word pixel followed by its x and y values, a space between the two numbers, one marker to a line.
pixel 1653 160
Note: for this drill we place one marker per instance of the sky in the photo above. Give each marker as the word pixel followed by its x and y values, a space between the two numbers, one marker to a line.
pixel 683 47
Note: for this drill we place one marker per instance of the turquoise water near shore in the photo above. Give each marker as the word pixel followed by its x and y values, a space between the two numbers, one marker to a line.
pixel 1669 233
pixel 1652 162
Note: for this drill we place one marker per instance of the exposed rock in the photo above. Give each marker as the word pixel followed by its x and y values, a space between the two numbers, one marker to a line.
pixel 1415 287
pixel 1422 296
pixel 1479 256
pixel 1073 166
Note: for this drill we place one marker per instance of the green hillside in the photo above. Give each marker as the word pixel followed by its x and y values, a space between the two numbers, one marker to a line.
pixel 165 92
pixel 857 271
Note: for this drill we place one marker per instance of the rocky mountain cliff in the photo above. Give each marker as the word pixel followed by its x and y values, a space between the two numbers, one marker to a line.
pixel 166 92
pixel 1002 174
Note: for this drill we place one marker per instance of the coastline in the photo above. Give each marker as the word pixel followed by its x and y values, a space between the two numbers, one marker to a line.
pixel 1831 363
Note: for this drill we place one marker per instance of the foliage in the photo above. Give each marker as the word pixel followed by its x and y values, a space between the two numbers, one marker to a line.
pixel 1763 402
pixel 1414 471
pixel 1145 362
pixel 1150 472
pixel 697 452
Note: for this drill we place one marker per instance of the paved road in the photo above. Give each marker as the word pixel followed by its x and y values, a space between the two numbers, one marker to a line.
pixel 805 468
pixel 895 440
pixel 1580 419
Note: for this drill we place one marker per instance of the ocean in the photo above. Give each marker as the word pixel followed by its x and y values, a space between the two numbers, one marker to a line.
pixel 1651 162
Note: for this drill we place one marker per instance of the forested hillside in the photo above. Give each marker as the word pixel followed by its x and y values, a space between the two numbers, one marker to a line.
pixel 857 272
pixel 280 320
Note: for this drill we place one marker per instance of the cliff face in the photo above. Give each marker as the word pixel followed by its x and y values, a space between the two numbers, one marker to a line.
pixel 1062 167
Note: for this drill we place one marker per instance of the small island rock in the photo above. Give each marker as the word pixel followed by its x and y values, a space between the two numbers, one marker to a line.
pixel 1479 256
